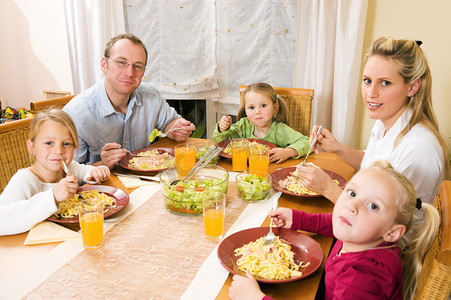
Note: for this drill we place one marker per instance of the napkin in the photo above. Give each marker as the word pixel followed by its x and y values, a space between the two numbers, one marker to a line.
pixel 49 232
pixel 130 182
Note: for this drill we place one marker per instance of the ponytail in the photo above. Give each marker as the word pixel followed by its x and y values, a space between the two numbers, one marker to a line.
pixel 420 242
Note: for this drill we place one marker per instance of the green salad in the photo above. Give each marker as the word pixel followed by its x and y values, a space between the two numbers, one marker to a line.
pixel 186 197
pixel 253 187
pixel 200 151
pixel 153 135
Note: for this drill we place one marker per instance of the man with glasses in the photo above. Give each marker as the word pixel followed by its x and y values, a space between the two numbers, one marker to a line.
pixel 119 112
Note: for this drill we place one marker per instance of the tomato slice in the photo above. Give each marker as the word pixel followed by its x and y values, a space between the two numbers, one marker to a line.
pixel 200 189
pixel 179 188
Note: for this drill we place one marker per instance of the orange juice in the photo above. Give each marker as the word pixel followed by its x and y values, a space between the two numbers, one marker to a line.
pixel 214 224
pixel 185 159
pixel 92 230
pixel 239 159
pixel 258 163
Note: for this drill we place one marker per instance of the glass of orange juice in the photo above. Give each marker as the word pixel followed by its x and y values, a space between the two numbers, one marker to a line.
pixel 258 158
pixel 214 204
pixel 185 158
pixel 90 214
pixel 239 154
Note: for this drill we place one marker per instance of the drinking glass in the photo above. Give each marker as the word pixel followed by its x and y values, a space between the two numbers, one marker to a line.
pixel 239 154
pixel 258 158
pixel 90 214
pixel 185 158
pixel 214 204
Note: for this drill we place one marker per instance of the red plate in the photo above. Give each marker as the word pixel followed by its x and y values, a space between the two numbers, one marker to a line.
pixel 285 172
pixel 224 144
pixel 121 198
pixel 305 248
pixel 124 161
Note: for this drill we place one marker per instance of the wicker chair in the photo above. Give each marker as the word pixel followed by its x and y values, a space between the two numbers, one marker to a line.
pixel 13 142
pixel 38 106
pixel 299 102
pixel 435 278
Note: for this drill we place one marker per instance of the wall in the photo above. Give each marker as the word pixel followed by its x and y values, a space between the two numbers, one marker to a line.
pixel 34 55
pixel 428 21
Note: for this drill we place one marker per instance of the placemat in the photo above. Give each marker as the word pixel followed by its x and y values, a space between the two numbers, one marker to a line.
pixel 152 254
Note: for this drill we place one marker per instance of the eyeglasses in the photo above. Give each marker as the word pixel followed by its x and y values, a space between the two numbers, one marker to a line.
pixel 123 64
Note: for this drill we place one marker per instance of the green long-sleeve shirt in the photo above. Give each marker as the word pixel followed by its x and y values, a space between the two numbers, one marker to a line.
pixel 279 134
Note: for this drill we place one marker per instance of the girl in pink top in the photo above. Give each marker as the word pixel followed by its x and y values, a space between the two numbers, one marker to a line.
pixel 370 216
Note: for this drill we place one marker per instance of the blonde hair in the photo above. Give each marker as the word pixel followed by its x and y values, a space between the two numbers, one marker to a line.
pixel 55 115
pixel 423 235
pixel 268 91
pixel 411 63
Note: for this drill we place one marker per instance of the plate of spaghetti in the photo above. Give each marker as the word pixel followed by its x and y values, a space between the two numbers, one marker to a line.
pixel 227 152
pixel 283 180
pixel 114 200
pixel 155 160
pixel 298 255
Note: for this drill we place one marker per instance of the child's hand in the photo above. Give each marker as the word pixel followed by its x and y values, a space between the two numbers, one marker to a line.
pixel 225 123
pixel 65 188
pixel 279 155
pixel 245 288
pixel 99 174
pixel 283 217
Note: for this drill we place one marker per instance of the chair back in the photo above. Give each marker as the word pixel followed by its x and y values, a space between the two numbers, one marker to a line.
pixel 299 104
pixel 14 152
pixel 435 278
pixel 38 106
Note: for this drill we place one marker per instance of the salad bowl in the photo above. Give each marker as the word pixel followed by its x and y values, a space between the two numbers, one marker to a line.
pixel 253 187
pixel 185 197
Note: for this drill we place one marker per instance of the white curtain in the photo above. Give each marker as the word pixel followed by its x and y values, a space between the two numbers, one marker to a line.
pixel 206 49
pixel 328 59
pixel 90 25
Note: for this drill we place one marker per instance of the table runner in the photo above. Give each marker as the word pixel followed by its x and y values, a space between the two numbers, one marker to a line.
pixel 151 254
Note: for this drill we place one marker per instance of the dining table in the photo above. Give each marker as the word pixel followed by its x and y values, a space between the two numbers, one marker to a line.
pixel 22 263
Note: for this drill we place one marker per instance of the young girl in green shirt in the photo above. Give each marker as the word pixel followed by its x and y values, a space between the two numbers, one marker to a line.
pixel 263 115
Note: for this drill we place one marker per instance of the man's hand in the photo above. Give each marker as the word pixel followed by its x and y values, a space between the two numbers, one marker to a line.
pixel 180 135
pixel 111 154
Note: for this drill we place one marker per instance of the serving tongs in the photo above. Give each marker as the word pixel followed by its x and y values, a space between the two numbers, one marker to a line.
pixel 211 153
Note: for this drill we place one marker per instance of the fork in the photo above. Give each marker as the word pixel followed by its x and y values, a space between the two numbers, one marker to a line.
pixel 313 144
pixel 162 135
pixel 66 170
pixel 269 238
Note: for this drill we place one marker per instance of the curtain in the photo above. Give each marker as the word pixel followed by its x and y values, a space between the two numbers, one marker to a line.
pixel 328 59
pixel 205 49
pixel 90 25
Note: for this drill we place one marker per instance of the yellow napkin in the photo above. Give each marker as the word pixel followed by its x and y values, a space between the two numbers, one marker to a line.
pixel 49 232
pixel 130 182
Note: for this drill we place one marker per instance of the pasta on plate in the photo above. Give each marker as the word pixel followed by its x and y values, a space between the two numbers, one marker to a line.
pixel 294 184
pixel 274 261
pixel 228 149
pixel 153 160
pixel 69 207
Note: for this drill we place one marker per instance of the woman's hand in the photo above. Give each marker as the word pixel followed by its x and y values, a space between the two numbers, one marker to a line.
pixel 315 179
pixel 225 123
pixel 279 155
pixel 111 154
pixel 99 174
pixel 182 134
pixel 65 188
pixel 245 288
pixel 283 217
pixel 325 139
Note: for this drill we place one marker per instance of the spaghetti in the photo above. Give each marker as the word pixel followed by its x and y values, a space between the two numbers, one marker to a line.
pixel 294 184
pixel 274 261
pixel 69 207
